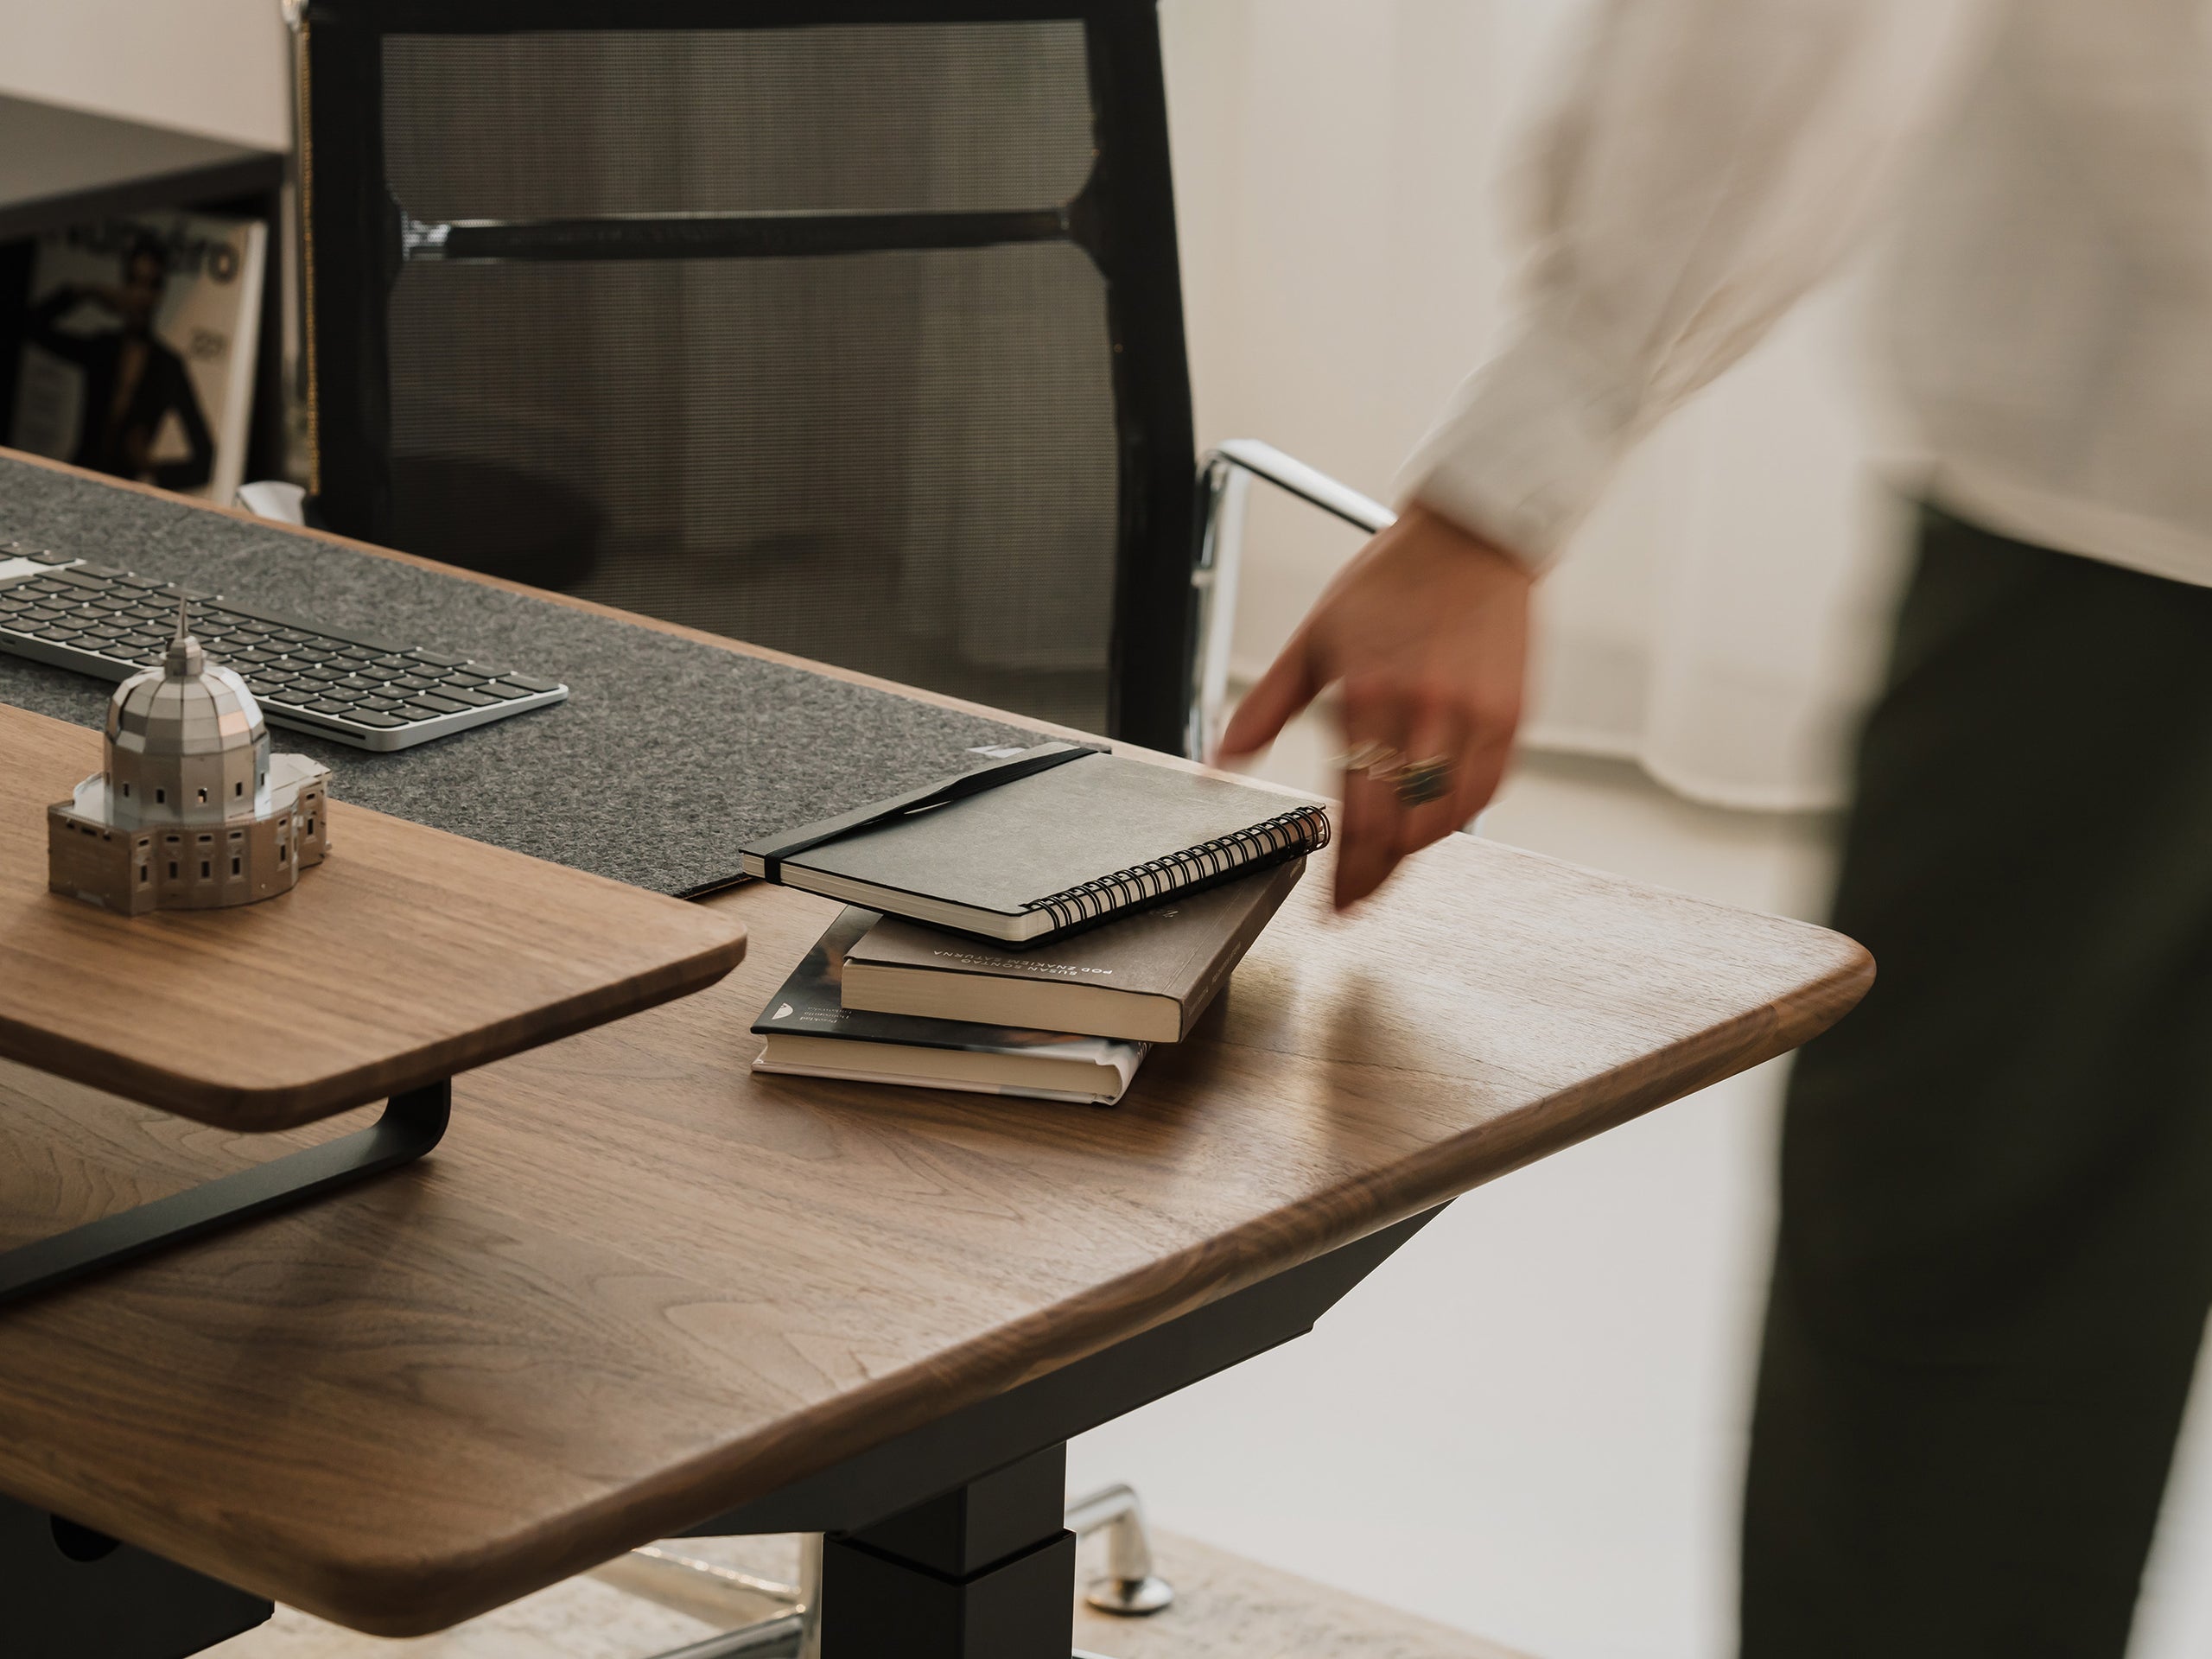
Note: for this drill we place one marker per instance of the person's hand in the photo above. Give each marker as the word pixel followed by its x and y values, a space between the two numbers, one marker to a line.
pixel 1427 630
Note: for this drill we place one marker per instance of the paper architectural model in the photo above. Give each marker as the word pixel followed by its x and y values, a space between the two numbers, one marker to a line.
pixel 192 812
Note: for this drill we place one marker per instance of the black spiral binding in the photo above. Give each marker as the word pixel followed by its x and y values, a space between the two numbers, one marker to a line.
pixel 1291 834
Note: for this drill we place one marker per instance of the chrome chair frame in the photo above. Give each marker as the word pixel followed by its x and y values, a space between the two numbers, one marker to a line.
pixel 1225 476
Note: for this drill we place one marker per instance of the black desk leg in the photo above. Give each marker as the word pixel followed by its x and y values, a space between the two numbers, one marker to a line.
pixel 69 1592
pixel 412 1123
pixel 985 1572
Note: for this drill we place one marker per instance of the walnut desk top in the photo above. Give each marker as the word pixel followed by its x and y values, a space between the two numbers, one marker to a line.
pixel 638 1285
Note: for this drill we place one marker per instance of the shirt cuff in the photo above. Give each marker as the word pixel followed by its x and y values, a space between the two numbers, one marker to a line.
pixel 1527 446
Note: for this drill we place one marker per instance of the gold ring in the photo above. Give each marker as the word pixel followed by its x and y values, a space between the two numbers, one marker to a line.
pixel 1425 781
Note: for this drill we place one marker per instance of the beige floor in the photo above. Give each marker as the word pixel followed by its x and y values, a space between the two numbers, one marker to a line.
pixel 1225 1606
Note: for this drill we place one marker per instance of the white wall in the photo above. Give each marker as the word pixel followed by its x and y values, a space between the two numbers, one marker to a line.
pixel 1336 163
pixel 217 66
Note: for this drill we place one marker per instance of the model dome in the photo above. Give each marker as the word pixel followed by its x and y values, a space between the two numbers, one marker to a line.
pixel 186 743
pixel 191 810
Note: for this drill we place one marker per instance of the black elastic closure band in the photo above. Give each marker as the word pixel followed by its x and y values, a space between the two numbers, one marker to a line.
pixel 1028 763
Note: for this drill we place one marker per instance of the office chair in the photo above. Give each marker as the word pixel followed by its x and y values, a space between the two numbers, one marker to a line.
pixel 847 327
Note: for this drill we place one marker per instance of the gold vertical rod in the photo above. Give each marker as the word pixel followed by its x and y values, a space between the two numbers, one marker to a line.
pixel 304 116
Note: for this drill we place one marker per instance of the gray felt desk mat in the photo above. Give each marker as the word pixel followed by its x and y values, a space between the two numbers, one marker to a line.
pixel 666 757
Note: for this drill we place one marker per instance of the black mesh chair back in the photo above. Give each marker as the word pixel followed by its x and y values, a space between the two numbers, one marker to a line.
pixel 853 330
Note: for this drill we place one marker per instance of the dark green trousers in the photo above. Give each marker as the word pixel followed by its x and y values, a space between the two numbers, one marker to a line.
pixel 1995 1254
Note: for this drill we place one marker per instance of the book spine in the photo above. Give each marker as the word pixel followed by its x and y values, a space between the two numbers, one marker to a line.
pixel 1291 834
pixel 1231 949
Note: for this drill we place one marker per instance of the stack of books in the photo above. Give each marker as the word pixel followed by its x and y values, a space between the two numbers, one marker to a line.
pixel 1031 928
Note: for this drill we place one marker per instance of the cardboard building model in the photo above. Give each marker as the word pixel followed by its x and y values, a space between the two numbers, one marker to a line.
pixel 192 812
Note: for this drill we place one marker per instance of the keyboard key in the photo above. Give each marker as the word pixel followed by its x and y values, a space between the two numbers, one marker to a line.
pixel 501 689
pixel 434 705
pixel 378 722
pixel 379 705
pixel 462 694
pixel 440 662
pixel 530 684
pixel 337 711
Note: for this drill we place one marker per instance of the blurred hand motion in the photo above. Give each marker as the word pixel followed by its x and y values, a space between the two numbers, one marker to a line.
pixel 1426 631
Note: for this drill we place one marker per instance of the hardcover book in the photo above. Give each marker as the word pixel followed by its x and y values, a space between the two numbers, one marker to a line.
pixel 1145 979
pixel 1032 848
pixel 811 1033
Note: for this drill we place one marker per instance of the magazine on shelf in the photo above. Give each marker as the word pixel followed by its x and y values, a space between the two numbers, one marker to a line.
pixel 138 349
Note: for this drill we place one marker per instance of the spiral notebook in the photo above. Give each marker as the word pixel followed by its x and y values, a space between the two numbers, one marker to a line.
pixel 1051 839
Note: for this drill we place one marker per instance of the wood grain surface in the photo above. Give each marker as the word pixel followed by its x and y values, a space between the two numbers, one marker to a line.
pixel 407 956
pixel 637 1284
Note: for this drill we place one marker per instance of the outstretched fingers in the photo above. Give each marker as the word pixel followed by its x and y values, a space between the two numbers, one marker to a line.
pixel 1289 685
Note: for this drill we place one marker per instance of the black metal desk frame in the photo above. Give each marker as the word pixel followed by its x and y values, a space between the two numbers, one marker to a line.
pixel 412 1123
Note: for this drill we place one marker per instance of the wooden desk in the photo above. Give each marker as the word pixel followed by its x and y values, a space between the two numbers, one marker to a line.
pixel 639 1287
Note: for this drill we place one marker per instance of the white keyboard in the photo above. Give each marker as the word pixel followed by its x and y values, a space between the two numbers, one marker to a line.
pixel 108 623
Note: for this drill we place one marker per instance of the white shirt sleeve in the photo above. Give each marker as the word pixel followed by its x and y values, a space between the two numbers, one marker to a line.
pixel 1711 161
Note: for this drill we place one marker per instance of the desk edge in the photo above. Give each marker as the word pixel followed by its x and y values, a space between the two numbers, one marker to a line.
pixel 407 1596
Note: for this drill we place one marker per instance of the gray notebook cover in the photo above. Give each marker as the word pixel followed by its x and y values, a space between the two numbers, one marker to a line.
pixel 1012 847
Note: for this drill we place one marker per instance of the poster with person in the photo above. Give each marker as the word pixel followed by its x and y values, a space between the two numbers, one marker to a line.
pixel 139 349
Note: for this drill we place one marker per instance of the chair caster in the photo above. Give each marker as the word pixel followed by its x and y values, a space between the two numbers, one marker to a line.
pixel 1129 1597
pixel 1130 1588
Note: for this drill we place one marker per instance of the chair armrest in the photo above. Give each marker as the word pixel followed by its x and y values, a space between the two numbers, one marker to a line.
pixel 1225 476
pixel 1307 483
